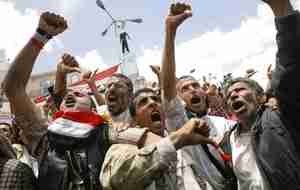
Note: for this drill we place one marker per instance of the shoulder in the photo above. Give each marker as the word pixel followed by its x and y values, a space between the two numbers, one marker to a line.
pixel 221 122
pixel 120 150
pixel 16 168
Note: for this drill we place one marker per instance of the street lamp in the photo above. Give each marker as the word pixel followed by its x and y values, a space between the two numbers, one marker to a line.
pixel 117 23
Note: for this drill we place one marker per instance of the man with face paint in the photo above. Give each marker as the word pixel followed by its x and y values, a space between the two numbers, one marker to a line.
pixel 265 143
pixel 205 161
pixel 76 131
pixel 118 95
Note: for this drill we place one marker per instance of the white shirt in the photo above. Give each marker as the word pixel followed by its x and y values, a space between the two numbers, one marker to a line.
pixel 194 156
pixel 244 162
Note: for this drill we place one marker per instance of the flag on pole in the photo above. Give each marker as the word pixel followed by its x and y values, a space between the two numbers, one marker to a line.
pixel 102 75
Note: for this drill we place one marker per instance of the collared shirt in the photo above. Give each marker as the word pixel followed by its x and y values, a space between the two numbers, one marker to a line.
pixel 187 178
pixel 195 156
pixel 15 175
pixel 24 156
pixel 152 167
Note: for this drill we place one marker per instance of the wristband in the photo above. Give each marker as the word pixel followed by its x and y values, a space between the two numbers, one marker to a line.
pixel 43 33
pixel 40 38
pixel 37 43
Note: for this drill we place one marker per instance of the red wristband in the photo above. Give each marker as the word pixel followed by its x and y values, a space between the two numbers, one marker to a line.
pixel 37 43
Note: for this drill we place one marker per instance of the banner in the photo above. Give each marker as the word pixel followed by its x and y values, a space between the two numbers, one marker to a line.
pixel 102 75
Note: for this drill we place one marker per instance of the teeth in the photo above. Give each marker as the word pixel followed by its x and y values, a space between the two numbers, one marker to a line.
pixel 70 101
pixel 237 105
pixel 155 116
pixel 195 100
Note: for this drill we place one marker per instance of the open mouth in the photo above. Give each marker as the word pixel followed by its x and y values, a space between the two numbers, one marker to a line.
pixel 155 116
pixel 112 98
pixel 195 100
pixel 70 102
pixel 237 105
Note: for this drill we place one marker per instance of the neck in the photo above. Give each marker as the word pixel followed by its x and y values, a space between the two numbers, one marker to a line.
pixel 246 123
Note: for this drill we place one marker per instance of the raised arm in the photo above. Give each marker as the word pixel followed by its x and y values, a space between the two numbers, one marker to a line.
pixel 286 74
pixel 90 79
pixel 27 117
pixel 178 14
pixel 67 64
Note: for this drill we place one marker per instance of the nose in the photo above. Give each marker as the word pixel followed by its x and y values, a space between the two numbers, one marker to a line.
pixel 69 95
pixel 112 87
pixel 152 102
pixel 233 95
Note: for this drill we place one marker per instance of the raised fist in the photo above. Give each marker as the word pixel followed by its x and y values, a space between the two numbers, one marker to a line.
pixel 52 24
pixel 269 72
pixel 179 8
pixel 156 69
pixel 68 64
pixel 280 7
pixel 178 13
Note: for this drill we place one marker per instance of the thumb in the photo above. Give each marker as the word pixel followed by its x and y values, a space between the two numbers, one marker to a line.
pixel 182 17
pixel 206 140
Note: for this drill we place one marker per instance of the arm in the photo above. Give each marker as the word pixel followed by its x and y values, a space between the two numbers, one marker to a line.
pixel 25 111
pixel 90 79
pixel 174 19
pixel 156 70
pixel 126 167
pixel 287 63
pixel 68 64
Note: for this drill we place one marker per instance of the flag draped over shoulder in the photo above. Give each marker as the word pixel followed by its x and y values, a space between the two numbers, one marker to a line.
pixel 75 124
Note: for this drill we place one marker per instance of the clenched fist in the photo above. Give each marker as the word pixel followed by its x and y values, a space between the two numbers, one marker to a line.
pixel 195 131
pixel 52 24
pixel 179 12
pixel 68 64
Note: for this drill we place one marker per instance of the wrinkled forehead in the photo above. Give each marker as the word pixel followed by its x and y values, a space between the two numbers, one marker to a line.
pixel 185 82
pixel 237 85
pixel 114 80
pixel 4 126
pixel 146 95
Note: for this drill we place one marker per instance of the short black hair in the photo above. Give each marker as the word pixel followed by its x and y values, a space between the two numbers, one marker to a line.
pixel 132 109
pixel 127 80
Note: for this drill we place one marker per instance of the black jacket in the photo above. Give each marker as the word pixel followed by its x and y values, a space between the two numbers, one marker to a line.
pixel 276 139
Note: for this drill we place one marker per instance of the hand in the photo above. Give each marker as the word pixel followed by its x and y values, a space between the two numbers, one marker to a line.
pixel 90 78
pixel 68 64
pixel 179 12
pixel 52 24
pixel 155 69
pixel 269 72
pixel 195 131
pixel 279 7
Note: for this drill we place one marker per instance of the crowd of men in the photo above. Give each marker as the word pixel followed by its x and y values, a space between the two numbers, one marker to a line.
pixel 183 135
